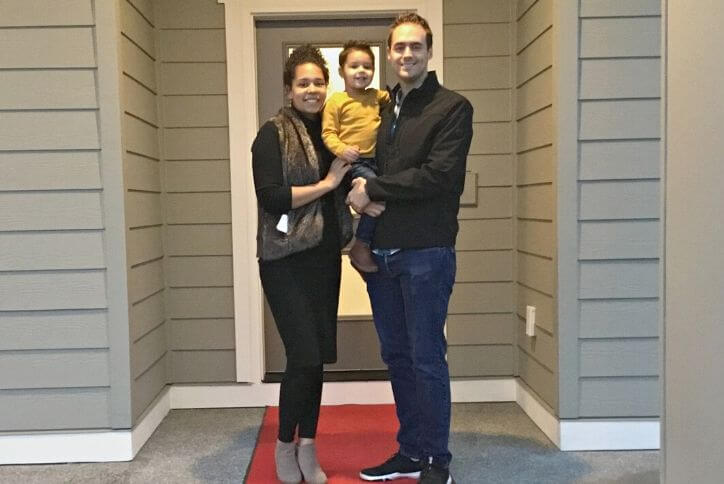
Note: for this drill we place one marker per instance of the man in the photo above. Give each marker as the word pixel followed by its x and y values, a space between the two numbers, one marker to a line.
pixel 422 146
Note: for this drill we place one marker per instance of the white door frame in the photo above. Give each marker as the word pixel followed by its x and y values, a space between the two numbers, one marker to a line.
pixel 242 98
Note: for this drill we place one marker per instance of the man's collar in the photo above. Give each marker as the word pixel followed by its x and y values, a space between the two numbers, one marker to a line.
pixel 430 84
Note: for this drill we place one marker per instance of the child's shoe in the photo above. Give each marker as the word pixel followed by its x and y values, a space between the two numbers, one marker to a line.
pixel 361 258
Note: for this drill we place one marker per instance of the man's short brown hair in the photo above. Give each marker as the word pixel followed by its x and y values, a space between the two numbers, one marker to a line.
pixel 411 18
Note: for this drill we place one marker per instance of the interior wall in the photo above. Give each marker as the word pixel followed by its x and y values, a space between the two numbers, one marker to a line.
pixel 197 209
pixel 139 89
pixel 536 245
pixel 694 423
pixel 477 62
pixel 618 210
pixel 58 267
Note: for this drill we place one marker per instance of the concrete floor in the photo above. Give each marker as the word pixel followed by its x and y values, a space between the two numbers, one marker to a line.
pixel 491 443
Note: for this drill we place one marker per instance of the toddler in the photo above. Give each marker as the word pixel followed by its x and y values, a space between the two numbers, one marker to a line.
pixel 349 129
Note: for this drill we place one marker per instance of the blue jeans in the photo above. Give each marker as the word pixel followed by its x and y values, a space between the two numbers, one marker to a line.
pixel 410 296
pixel 364 168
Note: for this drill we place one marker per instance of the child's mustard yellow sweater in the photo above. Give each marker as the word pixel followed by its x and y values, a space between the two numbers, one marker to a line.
pixel 353 120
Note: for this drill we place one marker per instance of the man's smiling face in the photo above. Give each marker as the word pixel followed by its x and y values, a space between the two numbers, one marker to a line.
pixel 408 53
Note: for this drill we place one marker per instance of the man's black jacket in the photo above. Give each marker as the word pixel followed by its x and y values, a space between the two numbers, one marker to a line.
pixel 421 160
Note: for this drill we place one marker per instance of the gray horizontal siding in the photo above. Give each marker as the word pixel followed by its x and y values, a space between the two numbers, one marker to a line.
pixel 55 250
pixel 54 330
pixel 626 199
pixel 619 207
pixel 619 159
pixel 202 334
pixel 477 64
pixel 54 369
pixel 620 357
pixel 48 130
pixel 535 207
pixel 476 11
pixel 72 409
pixel 144 203
pixel 619 397
pixel 619 319
pixel 48 89
pixel 619 8
pixel 43 48
pixel 620 37
pixel 45 290
pixel 629 119
pixel 620 78
pixel 35 13
pixel 197 187
pixel 55 348
pixel 36 171
pixel 629 239
pixel 619 279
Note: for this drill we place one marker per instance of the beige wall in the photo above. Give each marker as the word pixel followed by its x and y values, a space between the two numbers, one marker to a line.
pixel 694 281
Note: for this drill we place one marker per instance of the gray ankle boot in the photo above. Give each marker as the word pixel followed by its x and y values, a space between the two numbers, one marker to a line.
pixel 286 461
pixel 308 463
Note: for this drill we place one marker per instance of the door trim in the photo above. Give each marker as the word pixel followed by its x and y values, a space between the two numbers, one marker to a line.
pixel 242 98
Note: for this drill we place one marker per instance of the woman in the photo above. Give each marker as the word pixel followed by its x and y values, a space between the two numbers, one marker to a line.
pixel 303 225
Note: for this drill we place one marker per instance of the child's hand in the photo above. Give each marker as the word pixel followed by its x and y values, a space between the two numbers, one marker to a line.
pixel 350 154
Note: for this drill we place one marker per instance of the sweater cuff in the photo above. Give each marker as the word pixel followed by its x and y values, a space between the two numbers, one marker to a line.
pixel 373 190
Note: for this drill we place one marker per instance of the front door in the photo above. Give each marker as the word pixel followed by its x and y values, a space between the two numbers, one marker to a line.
pixel 358 348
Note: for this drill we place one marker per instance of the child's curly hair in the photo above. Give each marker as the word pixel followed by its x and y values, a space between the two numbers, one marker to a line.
pixel 353 45
pixel 304 54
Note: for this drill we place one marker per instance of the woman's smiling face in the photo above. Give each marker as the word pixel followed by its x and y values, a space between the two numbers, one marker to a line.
pixel 308 90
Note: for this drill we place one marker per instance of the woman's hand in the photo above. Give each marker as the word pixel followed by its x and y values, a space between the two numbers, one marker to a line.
pixel 302 195
pixel 336 173
pixel 374 209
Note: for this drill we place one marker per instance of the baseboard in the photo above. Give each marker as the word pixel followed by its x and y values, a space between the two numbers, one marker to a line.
pixel 83 446
pixel 150 420
pixel 334 393
pixel 123 445
pixel 609 434
pixel 538 412
pixel 588 435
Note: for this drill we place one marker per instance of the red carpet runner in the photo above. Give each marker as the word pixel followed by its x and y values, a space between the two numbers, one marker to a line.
pixel 349 438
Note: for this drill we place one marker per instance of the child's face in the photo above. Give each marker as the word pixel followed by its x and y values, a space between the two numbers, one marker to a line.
pixel 357 71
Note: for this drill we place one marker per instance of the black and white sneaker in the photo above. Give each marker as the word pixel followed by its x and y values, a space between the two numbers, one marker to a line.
pixel 433 474
pixel 396 467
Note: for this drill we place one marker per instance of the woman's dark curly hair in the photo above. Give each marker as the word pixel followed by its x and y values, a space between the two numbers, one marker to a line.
pixel 304 54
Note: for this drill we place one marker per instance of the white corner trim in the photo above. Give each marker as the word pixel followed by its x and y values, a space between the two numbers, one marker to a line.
pixel 333 393
pixel 538 413
pixel 83 446
pixel 621 434
pixel 242 101
pixel 588 435
pixel 151 420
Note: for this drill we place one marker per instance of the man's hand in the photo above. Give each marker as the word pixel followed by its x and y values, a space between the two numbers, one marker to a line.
pixel 357 196
pixel 374 209
pixel 350 154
